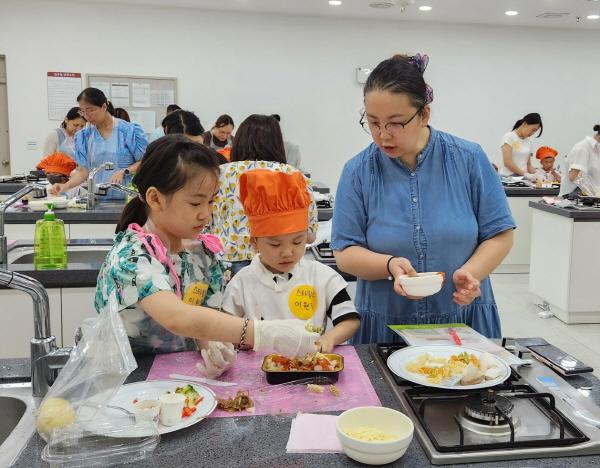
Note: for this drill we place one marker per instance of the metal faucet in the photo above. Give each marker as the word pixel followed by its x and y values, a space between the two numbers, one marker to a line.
pixel 46 358
pixel 39 191
pixel 91 195
pixel 102 189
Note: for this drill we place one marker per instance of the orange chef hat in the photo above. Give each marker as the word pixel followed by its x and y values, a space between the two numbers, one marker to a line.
pixel 226 153
pixel 544 152
pixel 57 163
pixel 275 203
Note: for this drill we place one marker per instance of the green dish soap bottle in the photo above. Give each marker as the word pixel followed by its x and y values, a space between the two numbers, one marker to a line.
pixel 50 243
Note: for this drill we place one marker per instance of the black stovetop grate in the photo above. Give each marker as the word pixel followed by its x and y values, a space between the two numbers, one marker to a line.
pixel 420 399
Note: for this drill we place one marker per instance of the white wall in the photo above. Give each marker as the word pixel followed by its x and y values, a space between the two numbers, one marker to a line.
pixel 484 77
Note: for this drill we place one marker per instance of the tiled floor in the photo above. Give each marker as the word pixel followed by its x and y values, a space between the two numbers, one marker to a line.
pixel 519 319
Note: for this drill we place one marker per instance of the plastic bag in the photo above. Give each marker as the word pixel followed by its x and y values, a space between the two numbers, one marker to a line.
pixel 97 368
pixel 589 184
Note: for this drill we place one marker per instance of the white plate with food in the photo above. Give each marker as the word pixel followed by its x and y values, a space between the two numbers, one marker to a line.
pixel 151 390
pixel 448 366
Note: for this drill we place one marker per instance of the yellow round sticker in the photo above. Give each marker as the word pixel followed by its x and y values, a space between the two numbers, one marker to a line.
pixel 303 302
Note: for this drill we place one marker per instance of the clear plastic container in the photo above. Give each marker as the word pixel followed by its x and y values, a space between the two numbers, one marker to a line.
pixel 104 440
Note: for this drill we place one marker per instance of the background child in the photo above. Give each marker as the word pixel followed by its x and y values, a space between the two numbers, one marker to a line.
pixel 280 283
pixel 546 173
pixel 57 167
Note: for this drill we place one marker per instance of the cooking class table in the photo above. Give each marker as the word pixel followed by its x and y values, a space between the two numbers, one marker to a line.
pixel 260 441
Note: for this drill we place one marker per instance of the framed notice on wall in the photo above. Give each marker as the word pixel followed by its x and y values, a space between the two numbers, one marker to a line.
pixel 63 88
pixel 145 98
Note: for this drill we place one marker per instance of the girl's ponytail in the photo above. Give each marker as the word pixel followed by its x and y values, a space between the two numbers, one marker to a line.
pixel 134 212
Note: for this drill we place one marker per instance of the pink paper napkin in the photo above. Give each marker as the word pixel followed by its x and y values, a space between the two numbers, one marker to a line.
pixel 313 433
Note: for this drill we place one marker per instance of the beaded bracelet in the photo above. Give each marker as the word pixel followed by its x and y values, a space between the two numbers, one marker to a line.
pixel 390 277
pixel 242 342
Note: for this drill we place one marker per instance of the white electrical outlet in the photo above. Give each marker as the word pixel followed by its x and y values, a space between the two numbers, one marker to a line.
pixel 31 143
pixel 362 73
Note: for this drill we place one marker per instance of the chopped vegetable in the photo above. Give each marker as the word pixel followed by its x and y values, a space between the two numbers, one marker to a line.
pixel 192 397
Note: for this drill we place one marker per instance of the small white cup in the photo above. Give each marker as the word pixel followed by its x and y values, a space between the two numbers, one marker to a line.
pixel 171 406
pixel 147 410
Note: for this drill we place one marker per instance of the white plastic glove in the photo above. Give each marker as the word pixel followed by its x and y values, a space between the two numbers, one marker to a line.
pixel 288 337
pixel 531 177
pixel 218 357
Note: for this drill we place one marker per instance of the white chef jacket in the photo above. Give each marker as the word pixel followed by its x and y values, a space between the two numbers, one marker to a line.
pixel 585 157
pixel 311 291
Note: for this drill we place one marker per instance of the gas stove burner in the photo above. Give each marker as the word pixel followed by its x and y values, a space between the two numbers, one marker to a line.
pixel 487 429
pixel 489 408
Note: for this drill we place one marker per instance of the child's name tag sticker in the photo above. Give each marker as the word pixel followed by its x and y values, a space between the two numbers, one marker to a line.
pixel 303 302
pixel 195 293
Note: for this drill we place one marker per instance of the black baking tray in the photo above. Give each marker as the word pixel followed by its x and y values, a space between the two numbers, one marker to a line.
pixel 279 377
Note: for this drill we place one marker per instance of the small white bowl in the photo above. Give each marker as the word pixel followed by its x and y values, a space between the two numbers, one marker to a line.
pixel 147 410
pixel 386 420
pixel 424 284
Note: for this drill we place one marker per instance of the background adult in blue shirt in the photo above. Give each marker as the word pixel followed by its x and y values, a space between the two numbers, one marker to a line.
pixel 425 199
pixel 105 138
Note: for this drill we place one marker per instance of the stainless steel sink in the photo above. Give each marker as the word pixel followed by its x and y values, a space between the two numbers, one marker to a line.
pixel 17 420
pixel 76 254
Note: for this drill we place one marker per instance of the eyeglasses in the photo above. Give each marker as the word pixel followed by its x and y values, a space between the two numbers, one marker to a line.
pixel 392 128
pixel 89 110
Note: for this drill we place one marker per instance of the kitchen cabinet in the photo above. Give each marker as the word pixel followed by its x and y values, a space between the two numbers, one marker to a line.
pixel 68 308
pixel 77 305
pixel 517 260
pixel 92 231
pixel 72 231
pixel 565 267
pixel 17 320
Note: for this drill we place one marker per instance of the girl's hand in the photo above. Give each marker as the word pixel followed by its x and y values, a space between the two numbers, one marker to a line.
pixel 401 266
pixel 218 357
pixel 467 287
pixel 325 344
pixel 57 189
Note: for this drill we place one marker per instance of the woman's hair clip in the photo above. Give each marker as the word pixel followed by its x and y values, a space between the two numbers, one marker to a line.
pixel 420 61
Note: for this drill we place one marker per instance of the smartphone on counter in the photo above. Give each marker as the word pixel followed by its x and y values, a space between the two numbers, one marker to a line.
pixel 557 359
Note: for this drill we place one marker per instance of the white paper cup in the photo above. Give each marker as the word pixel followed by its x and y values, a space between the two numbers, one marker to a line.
pixel 147 410
pixel 171 406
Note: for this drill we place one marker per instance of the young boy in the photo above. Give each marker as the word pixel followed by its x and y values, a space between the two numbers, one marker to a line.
pixel 280 283
pixel 546 173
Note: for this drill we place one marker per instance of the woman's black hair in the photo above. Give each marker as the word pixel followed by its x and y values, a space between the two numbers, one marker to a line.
pixel 167 165
pixel 71 115
pixel 531 119
pixel 122 114
pixel 597 128
pixel 96 98
pixel 399 75
pixel 172 108
pixel 224 120
pixel 258 139
pixel 181 121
